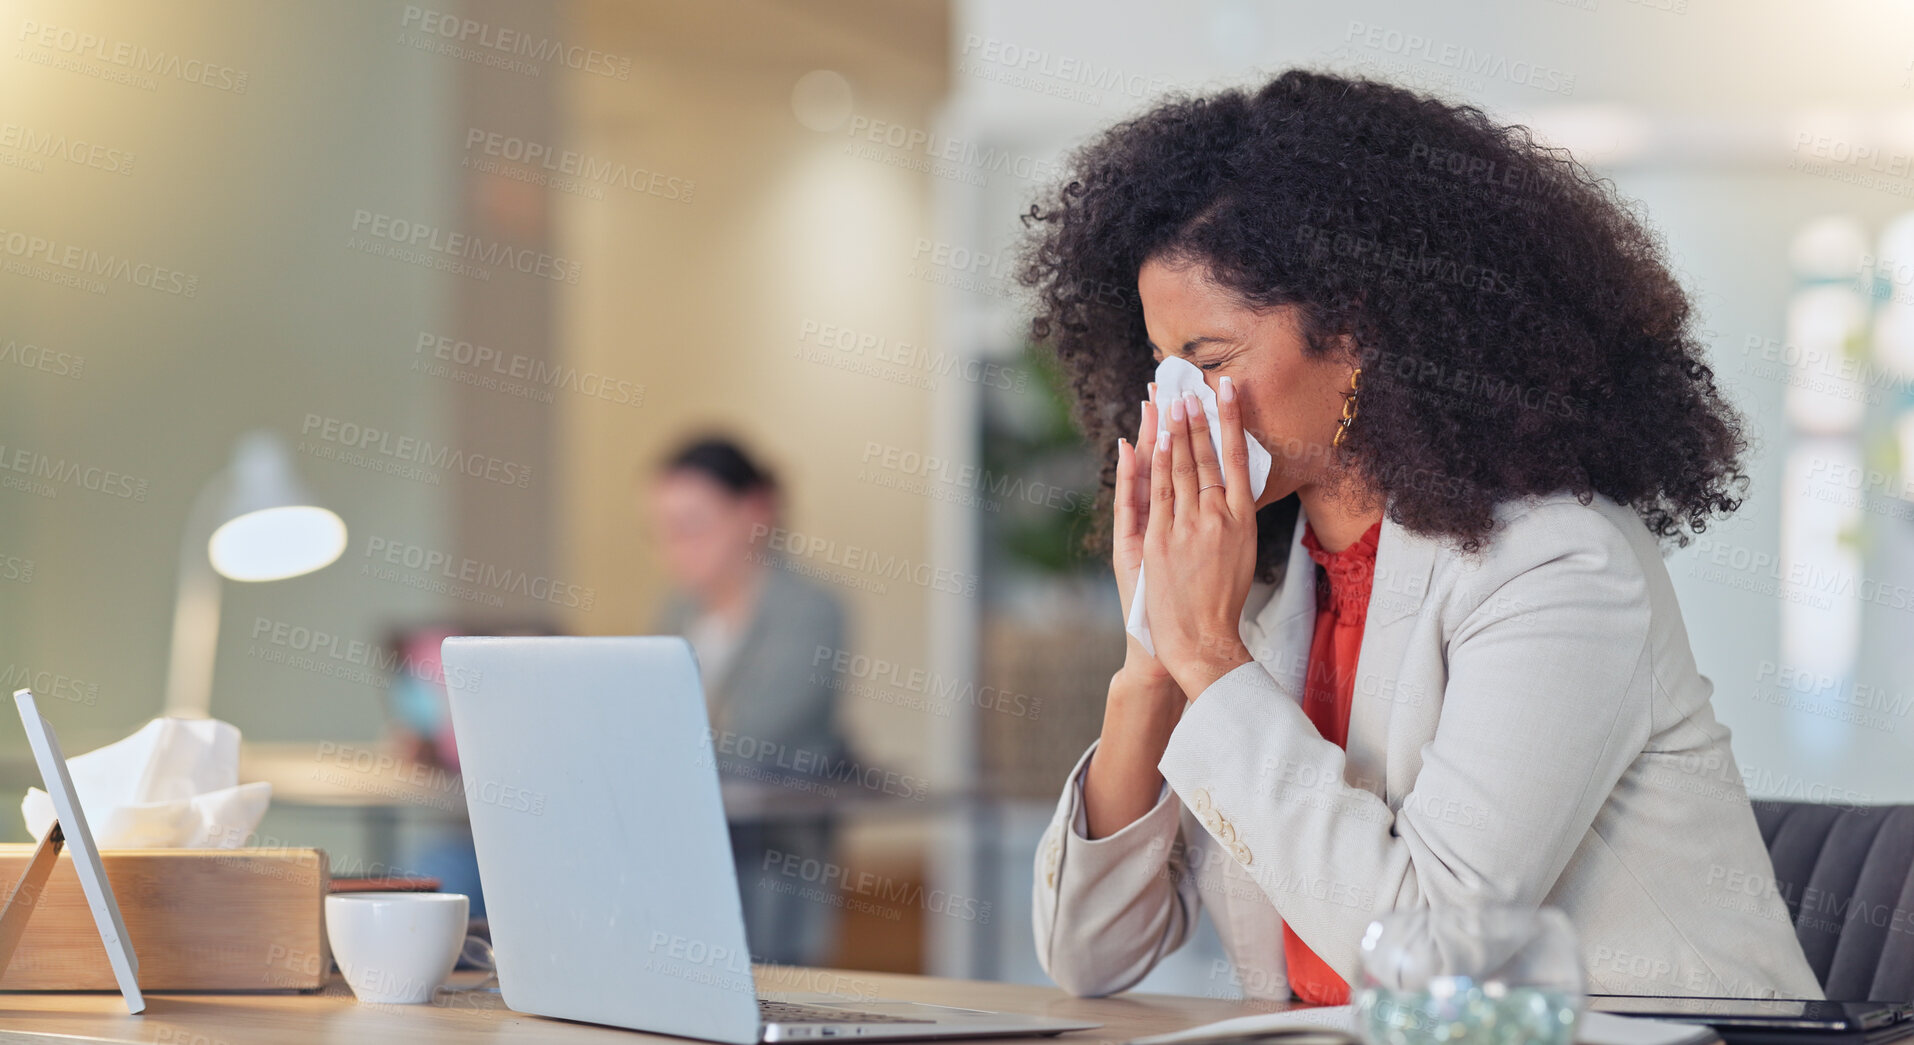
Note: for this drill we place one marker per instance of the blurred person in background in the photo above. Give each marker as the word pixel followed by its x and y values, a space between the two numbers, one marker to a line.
pixel 765 640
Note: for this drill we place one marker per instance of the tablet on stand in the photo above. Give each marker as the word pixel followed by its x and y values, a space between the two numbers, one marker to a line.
pixel 68 830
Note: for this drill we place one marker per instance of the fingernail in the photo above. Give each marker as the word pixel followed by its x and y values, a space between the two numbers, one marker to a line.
pixel 1192 406
pixel 1226 390
pixel 1176 409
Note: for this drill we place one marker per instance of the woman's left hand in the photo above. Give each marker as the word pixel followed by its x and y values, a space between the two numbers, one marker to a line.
pixel 1199 549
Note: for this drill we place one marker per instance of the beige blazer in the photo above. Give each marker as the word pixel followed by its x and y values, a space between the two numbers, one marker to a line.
pixel 1528 727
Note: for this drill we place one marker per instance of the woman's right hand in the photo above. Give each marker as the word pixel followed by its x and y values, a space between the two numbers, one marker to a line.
pixel 1131 516
pixel 1144 702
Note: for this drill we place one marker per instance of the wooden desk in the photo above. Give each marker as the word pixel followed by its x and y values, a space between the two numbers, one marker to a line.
pixel 332 1016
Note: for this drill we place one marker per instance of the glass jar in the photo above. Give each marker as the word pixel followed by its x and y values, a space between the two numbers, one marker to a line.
pixel 1474 975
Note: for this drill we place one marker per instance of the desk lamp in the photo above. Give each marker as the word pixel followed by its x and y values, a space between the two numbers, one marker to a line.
pixel 252 521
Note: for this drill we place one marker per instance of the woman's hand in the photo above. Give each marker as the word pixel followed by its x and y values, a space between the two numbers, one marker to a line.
pixel 1144 702
pixel 1132 512
pixel 1200 543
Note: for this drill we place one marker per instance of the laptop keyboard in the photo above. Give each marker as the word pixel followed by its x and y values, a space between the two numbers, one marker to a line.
pixel 792 1012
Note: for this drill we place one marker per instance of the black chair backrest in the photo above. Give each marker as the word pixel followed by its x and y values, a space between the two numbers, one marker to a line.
pixel 1847 873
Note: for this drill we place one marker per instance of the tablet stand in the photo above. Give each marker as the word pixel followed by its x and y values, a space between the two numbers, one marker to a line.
pixel 27 891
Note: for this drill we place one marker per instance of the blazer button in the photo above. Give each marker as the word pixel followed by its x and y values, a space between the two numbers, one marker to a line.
pixel 1051 877
pixel 1241 853
pixel 1200 801
pixel 1212 820
pixel 1226 833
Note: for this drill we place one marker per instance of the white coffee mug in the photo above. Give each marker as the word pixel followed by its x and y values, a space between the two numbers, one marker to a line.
pixel 396 948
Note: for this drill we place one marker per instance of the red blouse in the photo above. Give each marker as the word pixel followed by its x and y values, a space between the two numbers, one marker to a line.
pixel 1329 686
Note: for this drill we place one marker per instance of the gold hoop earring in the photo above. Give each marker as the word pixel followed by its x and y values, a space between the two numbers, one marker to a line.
pixel 1348 407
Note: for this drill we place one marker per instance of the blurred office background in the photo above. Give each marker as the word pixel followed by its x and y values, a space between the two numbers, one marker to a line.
pixel 792 222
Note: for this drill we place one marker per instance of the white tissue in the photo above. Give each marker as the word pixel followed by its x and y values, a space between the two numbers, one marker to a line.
pixel 173 784
pixel 1175 376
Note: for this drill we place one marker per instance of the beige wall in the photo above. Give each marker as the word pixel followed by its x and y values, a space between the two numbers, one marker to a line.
pixel 703 301
pixel 252 193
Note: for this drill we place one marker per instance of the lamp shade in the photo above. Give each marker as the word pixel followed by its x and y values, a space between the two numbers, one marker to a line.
pixel 270 527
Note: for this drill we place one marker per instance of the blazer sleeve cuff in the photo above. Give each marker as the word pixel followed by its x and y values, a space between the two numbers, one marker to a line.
pixel 1072 861
pixel 1247 697
pixel 1106 910
pixel 1206 749
pixel 1080 820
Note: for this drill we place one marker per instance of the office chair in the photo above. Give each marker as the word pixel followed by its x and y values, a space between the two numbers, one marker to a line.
pixel 1847 873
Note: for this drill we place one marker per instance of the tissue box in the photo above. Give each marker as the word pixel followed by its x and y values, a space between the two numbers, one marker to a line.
pixel 198 919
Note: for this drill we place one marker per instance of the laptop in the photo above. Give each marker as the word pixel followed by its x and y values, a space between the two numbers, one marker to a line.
pixel 1773 1021
pixel 605 858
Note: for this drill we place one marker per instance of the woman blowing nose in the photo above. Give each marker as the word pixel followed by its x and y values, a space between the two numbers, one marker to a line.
pixel 1438 661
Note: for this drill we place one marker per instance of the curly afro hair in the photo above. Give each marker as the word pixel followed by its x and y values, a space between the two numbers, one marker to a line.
pixel 1518 329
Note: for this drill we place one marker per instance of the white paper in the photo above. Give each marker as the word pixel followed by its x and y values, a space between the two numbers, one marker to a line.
pixel 173 784
pixel 1597 1028
pixel 1174 376
pixel 1606 1028
pixel 1334 1017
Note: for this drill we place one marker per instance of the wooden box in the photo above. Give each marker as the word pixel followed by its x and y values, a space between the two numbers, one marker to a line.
pixel 198 919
